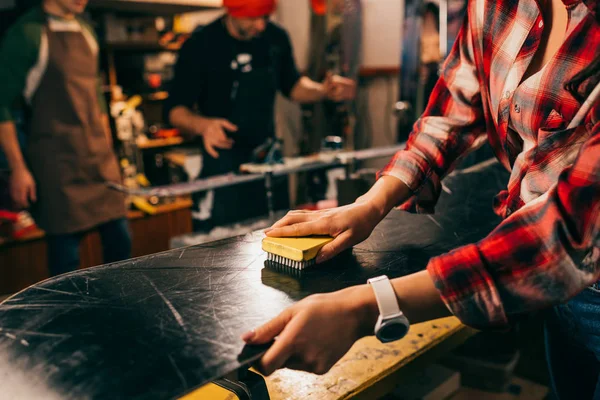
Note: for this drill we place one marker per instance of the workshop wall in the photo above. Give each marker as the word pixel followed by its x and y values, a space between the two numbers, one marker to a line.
pixel 378 91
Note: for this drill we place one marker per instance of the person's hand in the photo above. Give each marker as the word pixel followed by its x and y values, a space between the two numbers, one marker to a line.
pixel 316 332
pixel 214 136
pixel 22 188
pixel 348 225
pixel 339 88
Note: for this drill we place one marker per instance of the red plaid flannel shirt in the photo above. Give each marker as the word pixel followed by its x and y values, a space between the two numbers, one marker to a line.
pixel 547 249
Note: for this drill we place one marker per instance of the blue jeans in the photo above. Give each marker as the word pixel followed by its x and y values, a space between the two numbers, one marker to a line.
pixel 63 250
pixel 573 347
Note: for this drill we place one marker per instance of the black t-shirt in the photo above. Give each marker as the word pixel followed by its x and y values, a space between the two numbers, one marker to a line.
pixel 237 80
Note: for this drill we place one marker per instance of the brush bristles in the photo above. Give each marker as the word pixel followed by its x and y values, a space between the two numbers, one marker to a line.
pixel 300 265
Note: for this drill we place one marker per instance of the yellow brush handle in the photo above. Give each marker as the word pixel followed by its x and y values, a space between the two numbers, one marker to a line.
pixel 296 249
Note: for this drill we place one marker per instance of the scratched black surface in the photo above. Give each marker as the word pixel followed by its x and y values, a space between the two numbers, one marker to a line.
pixel 159 326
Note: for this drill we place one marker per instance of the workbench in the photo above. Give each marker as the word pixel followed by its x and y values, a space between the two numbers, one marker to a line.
pixel 150 234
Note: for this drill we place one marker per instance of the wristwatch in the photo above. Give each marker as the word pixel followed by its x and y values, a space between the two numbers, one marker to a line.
pixel 392 324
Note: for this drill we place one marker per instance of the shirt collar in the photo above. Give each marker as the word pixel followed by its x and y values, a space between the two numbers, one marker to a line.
pixel 592 5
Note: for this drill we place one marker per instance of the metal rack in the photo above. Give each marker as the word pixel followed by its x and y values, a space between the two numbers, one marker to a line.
pixel 347 160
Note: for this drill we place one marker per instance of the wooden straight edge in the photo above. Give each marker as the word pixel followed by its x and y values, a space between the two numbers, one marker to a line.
pixel 385 383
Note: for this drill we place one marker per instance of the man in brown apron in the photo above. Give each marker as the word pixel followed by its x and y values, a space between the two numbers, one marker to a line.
pixel 49 58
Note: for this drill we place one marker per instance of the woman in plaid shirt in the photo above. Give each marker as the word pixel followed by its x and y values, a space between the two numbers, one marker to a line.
pixel 524 76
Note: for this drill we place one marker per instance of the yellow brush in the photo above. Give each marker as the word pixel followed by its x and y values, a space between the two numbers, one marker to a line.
pixel 297 253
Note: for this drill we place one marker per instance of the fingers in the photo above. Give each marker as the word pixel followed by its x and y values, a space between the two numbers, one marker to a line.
pixel 228 125
pixel 220 135
pixel 344 81
pixel 339 244
pixel 294 217
pixel 267 332
pixel 32 193
pixel 289 220
pixel 223 144
pixel 210 150
pixel 318 227
pixel 281 350
pixel 295 363
pixel 220 139
pixel 19 196
pixel 341 88
pixel 337 94
pixel 277 355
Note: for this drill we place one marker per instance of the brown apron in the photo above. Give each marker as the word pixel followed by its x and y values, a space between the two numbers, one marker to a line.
pixel 67 149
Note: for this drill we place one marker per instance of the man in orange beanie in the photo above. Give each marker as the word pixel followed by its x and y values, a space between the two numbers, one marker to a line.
pixel 224 88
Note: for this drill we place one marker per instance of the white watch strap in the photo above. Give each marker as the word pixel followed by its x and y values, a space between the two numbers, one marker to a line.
pixel 386 297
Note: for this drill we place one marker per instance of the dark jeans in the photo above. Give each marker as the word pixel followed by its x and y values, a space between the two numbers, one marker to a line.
pixel 573 347
pixel 63 250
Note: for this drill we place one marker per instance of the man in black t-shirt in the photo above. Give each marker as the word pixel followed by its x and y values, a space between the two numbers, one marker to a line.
pixel 224 88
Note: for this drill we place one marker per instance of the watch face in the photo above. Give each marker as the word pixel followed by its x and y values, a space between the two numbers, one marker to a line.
pixel 392 331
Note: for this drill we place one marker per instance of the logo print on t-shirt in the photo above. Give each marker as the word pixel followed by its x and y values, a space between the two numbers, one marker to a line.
pixel 243 61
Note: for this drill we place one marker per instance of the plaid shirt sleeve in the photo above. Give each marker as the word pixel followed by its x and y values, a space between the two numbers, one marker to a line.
pixel 542 255
pixel 452 125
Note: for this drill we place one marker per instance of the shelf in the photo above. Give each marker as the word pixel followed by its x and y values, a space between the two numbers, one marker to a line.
pixel 156 143
pixel 31 236
pixel 38 234
pixel 158 96
pixel 133 45
pixel 163 7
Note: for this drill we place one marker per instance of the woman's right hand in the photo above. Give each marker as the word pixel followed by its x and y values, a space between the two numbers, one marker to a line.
pixel 348 225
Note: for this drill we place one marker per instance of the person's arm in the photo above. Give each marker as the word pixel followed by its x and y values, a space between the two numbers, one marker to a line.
pixel 212 130
pixel 349 225
pixel 542 255
pixel 10 146
pixel 334 88
pixel 452 125
pixel 185 89
pixel 22 184
pixel 188 121
pixel 302 89
pixel 308 91
pixel 19 52
pixel 316 332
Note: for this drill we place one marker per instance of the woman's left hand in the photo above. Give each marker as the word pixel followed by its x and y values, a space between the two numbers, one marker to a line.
pixel 315 333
